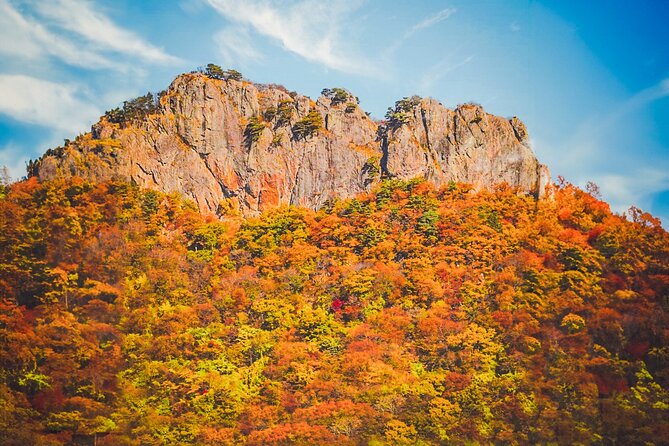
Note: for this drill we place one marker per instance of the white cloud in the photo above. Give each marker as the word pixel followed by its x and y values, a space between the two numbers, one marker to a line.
pixel 234 44
pixel 594 135
pixel 79 17
pixel 72 32
pixel 432 20
pixel 25 38
pixel 309 28
pixel 604 149
pixel 41 39
pixel 36 101
pixel 635 188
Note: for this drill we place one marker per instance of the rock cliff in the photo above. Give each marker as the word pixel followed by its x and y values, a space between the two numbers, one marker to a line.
pixel 231 144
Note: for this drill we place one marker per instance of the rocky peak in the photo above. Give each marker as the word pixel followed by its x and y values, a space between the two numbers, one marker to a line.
pixel 467 145
pixel 234 145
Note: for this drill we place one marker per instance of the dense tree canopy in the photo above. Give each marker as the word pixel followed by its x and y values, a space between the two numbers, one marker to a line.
pixel 408 315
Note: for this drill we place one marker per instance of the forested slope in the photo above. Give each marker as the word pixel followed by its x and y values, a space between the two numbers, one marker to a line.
pixel 408 315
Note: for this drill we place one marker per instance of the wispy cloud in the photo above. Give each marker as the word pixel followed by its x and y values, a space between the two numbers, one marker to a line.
pixel 432 20
pixel 308 28
pixel 24 38
pixel 234 44
pixel 633 188
pixel 72 32
pixel 42 40
pixel 599 150
pixel 641 99
pixel 590 138
pixel 80 18
pixel 46 103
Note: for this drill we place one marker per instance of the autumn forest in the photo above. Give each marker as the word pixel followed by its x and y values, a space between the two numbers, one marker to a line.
pixel 409 315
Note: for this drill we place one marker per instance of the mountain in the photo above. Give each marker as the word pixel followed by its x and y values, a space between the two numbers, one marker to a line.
pixel 233 145
pixel 420 292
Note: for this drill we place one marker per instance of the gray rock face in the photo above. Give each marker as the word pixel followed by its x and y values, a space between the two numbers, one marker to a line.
pixel 237 145
pixel 464 145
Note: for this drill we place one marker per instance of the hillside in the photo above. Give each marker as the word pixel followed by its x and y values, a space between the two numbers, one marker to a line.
pixel 235 146
pixel 410 314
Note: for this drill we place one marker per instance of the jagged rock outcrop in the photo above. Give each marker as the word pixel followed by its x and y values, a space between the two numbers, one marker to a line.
pixel 464 145
pixel 232 144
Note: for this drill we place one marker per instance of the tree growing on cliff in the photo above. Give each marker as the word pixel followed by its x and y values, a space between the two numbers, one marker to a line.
pixel 400 115
pixel 307 126
pixel 216 72
pixel 135 109
pixel 253 130
pixel 336 95
pixel 284 112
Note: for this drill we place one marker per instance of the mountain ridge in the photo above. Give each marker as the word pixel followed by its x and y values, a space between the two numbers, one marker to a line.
pixel 235 146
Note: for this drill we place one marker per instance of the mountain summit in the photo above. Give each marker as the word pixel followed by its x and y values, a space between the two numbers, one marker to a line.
pixel 234 145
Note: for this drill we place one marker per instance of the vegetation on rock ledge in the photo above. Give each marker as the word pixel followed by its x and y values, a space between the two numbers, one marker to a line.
pixel 307 126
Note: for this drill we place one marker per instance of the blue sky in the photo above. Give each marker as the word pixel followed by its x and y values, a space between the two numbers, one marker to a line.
pixel 590 79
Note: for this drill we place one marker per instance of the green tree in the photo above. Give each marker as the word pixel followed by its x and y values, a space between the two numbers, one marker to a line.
pixel 216 72
pixel 336 95
pixel 253 130
pixel 307 126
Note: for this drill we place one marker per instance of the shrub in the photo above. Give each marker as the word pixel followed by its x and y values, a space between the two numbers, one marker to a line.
pixel 269 114
pixel 135 109
pixel 400 115
pixel 253 130
pixel 284 113
pixel 336 95
pixel 216 72
pixel 308 125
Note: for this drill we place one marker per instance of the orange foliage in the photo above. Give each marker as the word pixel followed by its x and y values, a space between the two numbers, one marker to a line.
pixel 409 315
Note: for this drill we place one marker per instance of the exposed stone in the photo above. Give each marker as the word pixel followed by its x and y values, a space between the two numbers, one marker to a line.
pixel 231 144
pixel 464 145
